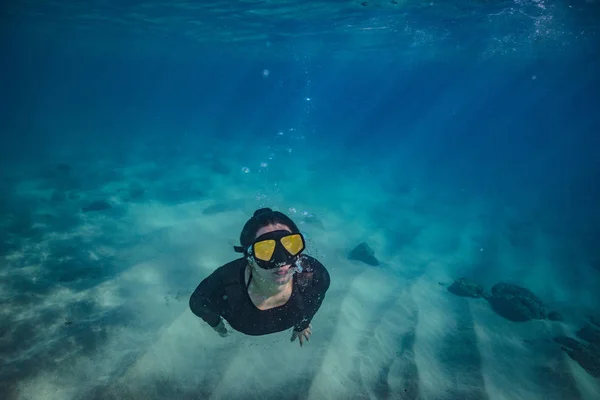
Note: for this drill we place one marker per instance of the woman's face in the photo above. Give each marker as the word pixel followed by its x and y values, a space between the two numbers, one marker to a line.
pixel 277 276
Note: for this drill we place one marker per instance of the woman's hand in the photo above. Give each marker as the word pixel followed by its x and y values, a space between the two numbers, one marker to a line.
pixel 220 329
pixel 303 335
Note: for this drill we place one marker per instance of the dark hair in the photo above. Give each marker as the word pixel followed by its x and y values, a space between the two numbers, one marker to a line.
pixel 263 217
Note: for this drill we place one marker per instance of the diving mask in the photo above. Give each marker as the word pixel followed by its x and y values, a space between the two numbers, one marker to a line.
pixel 275 249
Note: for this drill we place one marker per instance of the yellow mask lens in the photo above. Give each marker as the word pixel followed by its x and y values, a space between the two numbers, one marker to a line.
pixel 264 249
pixel 293 244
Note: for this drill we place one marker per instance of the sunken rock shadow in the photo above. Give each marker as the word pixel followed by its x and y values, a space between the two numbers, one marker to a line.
pixel 510 301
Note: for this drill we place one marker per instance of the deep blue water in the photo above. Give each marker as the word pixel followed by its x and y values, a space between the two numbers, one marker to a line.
pixel 494 103
pixel 520 127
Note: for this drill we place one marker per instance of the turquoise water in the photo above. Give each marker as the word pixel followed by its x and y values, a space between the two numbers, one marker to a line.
pixel 455 139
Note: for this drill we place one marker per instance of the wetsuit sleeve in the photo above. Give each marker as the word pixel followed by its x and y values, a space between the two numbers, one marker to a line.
pixel 206 301
pixel 316 297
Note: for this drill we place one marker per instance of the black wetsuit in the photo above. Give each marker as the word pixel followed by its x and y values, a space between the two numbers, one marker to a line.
pixel 224 293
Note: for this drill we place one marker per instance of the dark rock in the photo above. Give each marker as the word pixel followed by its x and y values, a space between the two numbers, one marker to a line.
pixel 595 320
pixel 590 334
pixel 555 316
pixel 466 288
pixel 58 196
pixel 503 288
pixel 586 356
pixel 364 253
pixel 97 205
pixel 516 303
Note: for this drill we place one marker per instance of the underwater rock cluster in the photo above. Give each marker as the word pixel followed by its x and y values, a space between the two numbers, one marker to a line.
pixel 520 304
pixel 510 301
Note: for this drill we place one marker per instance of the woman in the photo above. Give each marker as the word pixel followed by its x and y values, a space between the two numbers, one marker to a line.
pixel 272 288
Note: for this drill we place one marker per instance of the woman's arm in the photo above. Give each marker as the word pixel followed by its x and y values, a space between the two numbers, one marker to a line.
pixel 206 301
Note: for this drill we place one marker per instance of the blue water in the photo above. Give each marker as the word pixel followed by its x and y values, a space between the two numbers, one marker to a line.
pixel 456 139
